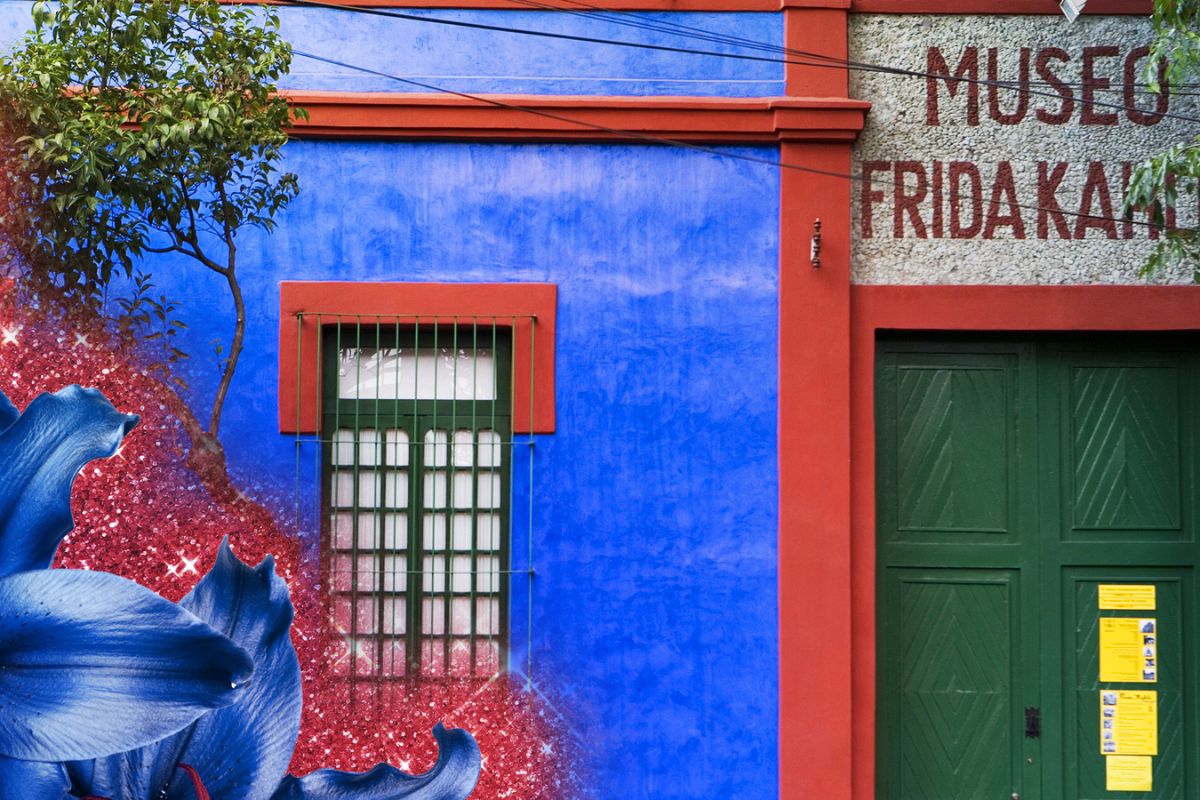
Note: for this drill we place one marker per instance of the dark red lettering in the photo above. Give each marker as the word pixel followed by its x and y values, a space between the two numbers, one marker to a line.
pixel 1048 207
pixel 1042 64
pixel 1089 114
pixel 1163 99
pixel 1004 187
pixel 871 195
pixel 911 203
pixel 936 68
pixel 1095 190
pixel 1022 86
pixel 957 171
pixel 936 222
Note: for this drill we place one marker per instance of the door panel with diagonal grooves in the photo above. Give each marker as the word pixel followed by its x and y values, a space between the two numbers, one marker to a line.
pixel 955 669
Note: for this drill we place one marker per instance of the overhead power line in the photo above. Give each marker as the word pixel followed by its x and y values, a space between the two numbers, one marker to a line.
pixel 659 140
pixel 814 59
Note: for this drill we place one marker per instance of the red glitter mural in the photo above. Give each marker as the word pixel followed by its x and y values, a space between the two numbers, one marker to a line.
pixel 146 514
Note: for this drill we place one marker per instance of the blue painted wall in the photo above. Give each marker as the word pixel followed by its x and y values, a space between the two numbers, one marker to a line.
pixel 653 610
pixel 654 525
pixel 469 60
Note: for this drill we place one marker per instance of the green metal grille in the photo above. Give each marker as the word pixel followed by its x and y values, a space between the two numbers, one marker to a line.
pixel 416 442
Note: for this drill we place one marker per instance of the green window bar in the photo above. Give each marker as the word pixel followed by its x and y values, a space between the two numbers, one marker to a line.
pixel 415 451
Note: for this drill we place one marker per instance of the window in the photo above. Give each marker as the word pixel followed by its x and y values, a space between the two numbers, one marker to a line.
pixel 416 425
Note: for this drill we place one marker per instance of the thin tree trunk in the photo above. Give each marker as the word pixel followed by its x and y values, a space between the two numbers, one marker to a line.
pixel 235 349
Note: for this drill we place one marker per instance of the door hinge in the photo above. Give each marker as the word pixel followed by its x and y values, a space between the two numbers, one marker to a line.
pixel 1033 723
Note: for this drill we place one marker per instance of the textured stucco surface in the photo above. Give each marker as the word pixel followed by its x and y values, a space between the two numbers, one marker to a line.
pixel 654 524
pixel 898 129
pixel 467 59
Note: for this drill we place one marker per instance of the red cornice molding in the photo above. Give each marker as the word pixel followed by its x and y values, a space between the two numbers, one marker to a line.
pixel 386 115
pixel 961 7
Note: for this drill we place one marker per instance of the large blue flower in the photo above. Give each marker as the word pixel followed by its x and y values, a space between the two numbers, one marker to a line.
pixel 241 752
pixel 90 663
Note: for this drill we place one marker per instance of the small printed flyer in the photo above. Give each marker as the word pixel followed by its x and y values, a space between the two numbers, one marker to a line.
pixel 1129 723
pixel 1127 597
pixel 1128 773
pixel 1128 650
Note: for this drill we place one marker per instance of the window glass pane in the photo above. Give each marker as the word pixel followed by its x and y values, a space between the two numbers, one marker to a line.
pixel 361 622
pixel 489 449
pixel 462 531
pixel 487 578
pixel 343 448
pixel 368 448
pixel 393 615
pixel 489 490
pixel 408 373
pixel 436 446
pixel 464 447
pixel 396 448
pixel 433 574
pixel 487 531
pixel 435 490
pixel 487 615
pixel 460 616
pixel 394 573
pixel 433 616
pixel 462 490
pixel 395 489
pixel 370 526
pixel 460 574
pixel 434 537
pixel 343 489
pixel 343 576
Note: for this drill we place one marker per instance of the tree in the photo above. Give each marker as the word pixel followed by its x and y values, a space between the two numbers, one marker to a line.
pixel 1159 182
pixel 141 128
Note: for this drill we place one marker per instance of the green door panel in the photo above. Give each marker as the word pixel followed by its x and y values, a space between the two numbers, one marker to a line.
pixel 1175 592
pixel 1014 476
pixel 954 661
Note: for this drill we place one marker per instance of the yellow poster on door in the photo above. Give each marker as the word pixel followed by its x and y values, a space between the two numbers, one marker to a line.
pixel 1128 650
pixel 1126 597
pixel 1128 773
pixel 1128 723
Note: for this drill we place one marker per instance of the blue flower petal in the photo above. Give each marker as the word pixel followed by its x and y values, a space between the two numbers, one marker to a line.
pixel 92 664
pixel 8 412
pixel 32 780
pixel 40 454
pixel 241 752
pixel 452 778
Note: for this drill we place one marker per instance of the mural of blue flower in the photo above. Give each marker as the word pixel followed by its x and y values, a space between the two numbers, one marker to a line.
pixel 241 751
pixel 90 663
pixel 93 665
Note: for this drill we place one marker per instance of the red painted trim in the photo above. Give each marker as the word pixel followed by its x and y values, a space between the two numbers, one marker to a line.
pixel 952 308
pixel 336 301
pixel 693 119
pixel 814 486
pixel 820 31
pixel 1039 7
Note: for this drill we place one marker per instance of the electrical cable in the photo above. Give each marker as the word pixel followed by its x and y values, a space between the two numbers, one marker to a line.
pixel 825 62
pixel 651 139
pixel 625 18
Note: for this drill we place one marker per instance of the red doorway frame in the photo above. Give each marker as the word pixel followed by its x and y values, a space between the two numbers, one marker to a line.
pixel 954 308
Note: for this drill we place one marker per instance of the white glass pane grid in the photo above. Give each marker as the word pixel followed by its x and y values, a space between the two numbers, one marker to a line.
pixel 461 577
pixel 368 542
pixel 446 372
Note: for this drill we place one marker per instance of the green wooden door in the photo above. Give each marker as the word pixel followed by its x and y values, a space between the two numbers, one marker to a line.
pixel 1014 478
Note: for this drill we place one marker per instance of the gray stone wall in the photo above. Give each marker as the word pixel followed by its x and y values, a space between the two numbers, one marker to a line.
pixel 1044 159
